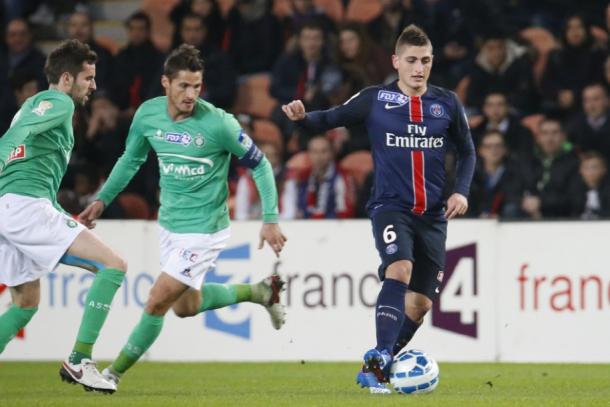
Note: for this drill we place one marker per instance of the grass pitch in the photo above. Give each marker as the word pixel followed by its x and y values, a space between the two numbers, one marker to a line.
pixel 307 384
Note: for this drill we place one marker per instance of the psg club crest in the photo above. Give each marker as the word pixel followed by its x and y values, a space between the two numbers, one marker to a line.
pixel 437 110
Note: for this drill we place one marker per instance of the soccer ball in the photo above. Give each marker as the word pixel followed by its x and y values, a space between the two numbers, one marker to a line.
pixel 414 372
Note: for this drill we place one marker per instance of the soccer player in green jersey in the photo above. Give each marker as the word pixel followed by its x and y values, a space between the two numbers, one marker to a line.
pixel 35 233
pixel 194 142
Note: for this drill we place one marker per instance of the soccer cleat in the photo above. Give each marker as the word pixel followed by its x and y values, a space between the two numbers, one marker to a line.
pixel 368 379
pixel 111 377
pixel 86 373
pixel 379 363
pixel 267 293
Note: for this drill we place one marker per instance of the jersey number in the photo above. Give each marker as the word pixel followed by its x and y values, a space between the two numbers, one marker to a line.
pixel 388 234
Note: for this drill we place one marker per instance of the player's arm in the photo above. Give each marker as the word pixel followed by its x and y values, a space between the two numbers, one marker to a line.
pixel 51 112
pixel 239 144
pixel 352 112
pixel 136 151
pixel 457 204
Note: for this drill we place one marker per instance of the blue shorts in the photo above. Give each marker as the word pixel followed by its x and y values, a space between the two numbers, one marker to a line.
pixel 419 239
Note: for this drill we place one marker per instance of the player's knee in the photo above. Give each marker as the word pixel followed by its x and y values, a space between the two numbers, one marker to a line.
pixel 183 312
pixel 400 270
pixel 27 301
pixel 117 263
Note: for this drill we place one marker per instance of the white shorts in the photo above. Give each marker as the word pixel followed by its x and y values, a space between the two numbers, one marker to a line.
pixel 33 237
pixel 188 256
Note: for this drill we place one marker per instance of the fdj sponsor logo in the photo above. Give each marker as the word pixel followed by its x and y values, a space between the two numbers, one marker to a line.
pixel 457 309
pixel 18 153
pixel 392 97
pixel 178 138
pixel 228 319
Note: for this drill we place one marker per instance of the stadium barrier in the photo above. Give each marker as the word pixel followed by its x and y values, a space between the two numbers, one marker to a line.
pixel 518 292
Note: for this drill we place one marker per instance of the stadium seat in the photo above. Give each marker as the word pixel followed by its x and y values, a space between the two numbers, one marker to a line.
pixel 332 8
pixel 363 10
pixel 265 131
pixel 134 205
pixel 225 6
pixel 532 122
pixel 253 97
pixel 359 164
pixel 543 42
pixel 162 27
pixel 299 162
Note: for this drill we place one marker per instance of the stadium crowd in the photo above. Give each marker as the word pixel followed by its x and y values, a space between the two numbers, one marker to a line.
pixel 534 77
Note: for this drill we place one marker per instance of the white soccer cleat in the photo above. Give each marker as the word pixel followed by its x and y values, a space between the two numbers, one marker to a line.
pixel 86 373
pixel 268 294
pixel 111 377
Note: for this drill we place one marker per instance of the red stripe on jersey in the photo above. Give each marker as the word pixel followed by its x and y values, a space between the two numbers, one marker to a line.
pixel 415 111
pixel 419 182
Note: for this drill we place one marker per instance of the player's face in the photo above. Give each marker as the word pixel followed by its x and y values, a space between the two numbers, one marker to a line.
pixel 182 91
pixel 413 65
pixel 84 84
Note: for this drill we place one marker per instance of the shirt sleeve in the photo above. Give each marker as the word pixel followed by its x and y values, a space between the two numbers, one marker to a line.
pixel 459 132
pixel 354 111
pixel 50 112
pixel 136 151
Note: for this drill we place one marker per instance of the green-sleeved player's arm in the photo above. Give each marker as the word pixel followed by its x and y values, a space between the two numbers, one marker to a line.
pixel 241 145
pixel 136 151
pixel 52 111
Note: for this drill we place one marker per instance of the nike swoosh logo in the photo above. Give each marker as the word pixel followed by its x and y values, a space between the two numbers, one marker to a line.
pixel 389 106
pixel 74 373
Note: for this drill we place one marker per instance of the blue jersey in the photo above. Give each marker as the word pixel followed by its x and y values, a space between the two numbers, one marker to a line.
pixel 409 137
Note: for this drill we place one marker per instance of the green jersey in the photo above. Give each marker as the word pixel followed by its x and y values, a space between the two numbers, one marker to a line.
pixel 194 156
pixel 35 151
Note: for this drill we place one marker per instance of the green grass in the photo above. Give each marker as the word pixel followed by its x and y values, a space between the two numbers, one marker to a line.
pixel 308 384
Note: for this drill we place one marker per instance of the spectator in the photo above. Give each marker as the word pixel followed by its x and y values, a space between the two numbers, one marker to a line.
pixel 324 191
pixel 590 130
pixel 23 85
pixel 590 193
pixel 358 51
pixel 209 11
pixel 80 27
pixel 502 67
pixel 220 78
pixel 247 201
pixel 547 175
pixel 394 17
pixel 570 68
pixel 517 138
pixel 137 65
pixel 250 25
pixel 494 190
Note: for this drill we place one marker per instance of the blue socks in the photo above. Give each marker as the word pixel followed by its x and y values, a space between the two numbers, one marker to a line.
pixel 406 333
pixel 390 313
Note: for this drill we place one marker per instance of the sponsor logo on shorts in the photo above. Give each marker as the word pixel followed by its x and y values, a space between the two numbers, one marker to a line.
pixel 18 153
pixel 437 110
pixel 186 272
pixel 188 255
pixel 42 107
pixel 178 138
pixel 391 249
pixel 71 223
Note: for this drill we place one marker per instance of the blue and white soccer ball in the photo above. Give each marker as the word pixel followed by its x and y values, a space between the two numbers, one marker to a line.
pixel 414 372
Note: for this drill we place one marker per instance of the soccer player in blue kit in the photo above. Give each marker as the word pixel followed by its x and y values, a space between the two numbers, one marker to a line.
pixel 410 125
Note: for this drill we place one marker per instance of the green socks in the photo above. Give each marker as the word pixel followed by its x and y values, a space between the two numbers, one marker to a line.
pixel 141 338
pixel 97 306
pixel 12 321
pixel 215 296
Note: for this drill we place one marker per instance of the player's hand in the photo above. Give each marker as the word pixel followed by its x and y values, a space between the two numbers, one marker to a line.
pixel 457 204
pixel 92 212
pixel 295 110
pixel 271 233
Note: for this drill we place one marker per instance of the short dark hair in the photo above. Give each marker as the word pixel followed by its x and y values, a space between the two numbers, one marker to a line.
pixel 141 16
pixel 184 58
pixel 592 154
pixel 310 24
pixel 20 78
pixel 68 57
pixel 412 35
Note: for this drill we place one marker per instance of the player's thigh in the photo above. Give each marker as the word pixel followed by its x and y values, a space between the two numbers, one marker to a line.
pixel 26 295
pixel 88 248
pixel 187 257
pixel 188 303
pixel 164 293
pixel 393 233
pixel 429 253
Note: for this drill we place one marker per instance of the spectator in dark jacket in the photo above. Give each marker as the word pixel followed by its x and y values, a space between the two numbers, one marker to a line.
pixel 137 65
pixel 590 130
pixel 495 185
pixel 501 66
pixel 547 174
pixel 23 84
pixel 590 193
pixel 517 138
pixel 570 68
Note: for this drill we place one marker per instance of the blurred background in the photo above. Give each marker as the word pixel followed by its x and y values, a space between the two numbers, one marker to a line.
pixel 534 77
